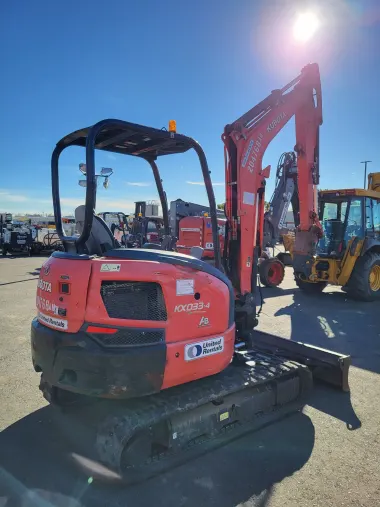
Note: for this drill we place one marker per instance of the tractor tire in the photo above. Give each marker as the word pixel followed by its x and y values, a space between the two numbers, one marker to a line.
pixel 364 282
pixel 310 287
pixel 272 272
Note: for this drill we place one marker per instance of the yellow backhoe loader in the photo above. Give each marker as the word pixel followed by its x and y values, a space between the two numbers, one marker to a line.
pixel 348 254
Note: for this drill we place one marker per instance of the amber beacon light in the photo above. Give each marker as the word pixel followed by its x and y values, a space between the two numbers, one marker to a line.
pixel 172 126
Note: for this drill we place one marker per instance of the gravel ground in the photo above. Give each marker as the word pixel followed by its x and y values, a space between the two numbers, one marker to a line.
pixel 328 455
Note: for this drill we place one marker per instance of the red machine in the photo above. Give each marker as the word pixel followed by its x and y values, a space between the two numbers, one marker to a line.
pixel 131 323
pixel 197 231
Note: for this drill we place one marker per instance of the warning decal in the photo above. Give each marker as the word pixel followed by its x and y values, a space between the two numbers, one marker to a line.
pixel 184 287
pixel 110 268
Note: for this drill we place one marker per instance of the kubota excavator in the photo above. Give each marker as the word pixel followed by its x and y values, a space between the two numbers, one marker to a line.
pixel 167 338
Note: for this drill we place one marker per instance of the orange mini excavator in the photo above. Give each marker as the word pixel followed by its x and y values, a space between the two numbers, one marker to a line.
pixel 168 335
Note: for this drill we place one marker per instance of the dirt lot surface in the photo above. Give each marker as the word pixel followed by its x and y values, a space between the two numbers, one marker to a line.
pixel 328 455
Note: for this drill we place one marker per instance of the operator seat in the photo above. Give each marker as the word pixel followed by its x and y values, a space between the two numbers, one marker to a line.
pixel 101 239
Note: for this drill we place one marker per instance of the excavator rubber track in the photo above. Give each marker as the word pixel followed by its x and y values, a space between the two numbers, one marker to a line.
pixel 137 439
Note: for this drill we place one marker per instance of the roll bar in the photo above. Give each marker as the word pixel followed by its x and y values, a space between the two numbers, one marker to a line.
pixel 126 138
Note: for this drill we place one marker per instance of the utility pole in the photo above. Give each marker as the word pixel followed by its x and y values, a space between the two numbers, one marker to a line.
pixel 365 162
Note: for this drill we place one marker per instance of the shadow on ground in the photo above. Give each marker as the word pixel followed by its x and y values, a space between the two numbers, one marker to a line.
pixel 36 272
pixel 37 471
pixel 333 321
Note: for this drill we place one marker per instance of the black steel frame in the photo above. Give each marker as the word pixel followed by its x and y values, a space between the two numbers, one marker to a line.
pixel 88 138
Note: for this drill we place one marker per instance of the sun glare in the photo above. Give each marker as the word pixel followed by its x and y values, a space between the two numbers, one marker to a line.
pixel 305 26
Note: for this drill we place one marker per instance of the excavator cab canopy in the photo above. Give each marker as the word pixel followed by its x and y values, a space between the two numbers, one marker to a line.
pixel 125 138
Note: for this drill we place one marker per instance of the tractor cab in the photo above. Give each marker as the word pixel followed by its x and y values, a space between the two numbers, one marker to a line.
pixel 342 218
pixel 347 215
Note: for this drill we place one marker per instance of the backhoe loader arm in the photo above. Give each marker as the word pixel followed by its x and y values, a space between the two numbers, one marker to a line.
pixel 245 143
pixel 285 192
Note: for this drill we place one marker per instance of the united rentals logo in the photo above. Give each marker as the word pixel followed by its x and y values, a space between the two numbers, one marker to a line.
pixel 52 321
pixel 204 348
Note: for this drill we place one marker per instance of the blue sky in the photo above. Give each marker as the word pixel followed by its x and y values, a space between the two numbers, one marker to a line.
pixel 66 65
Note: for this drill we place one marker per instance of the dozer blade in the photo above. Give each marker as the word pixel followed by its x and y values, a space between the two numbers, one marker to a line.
pixel 137 439
pixel 326 365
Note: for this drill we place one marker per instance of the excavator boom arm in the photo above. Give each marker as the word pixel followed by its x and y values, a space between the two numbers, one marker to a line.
pixel 245 143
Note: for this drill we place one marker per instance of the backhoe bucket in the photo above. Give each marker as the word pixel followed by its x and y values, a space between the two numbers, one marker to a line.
pixel 288 241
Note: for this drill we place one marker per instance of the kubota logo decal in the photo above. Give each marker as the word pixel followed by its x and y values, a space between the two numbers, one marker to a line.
pixel 275 122
pixel 46 286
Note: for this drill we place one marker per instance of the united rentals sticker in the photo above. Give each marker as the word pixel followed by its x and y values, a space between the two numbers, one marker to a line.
pixel 204 348
pixel 52 321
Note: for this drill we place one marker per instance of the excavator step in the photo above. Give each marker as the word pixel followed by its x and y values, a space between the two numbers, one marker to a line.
pixel 137 439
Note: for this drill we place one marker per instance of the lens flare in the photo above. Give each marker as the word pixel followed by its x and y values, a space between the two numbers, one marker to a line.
pixel 305 26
